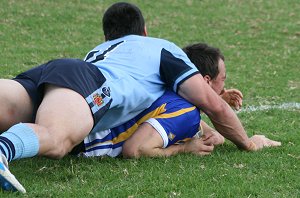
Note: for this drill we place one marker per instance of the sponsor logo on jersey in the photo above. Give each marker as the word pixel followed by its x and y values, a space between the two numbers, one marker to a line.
pixel 98 100
pixel 171 136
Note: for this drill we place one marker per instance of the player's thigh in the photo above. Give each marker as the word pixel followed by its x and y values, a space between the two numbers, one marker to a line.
pixel 16 105
pixel 66 116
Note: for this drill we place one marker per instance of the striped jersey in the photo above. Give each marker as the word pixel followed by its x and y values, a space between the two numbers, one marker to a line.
pixel 175 119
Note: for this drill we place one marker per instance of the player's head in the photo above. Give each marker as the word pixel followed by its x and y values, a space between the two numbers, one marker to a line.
pixel 122 19
pixel 210 63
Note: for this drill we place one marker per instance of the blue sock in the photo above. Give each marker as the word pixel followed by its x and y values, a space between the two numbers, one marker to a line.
pixel 19 141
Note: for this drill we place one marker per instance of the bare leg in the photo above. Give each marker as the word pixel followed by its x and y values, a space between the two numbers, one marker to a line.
pixel 63 120
pixel 16 105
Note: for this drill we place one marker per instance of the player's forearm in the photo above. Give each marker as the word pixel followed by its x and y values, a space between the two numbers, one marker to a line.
pixel 221 115
pixel 146 142
pixel 228 124
pixel 160 152
pixel 171 150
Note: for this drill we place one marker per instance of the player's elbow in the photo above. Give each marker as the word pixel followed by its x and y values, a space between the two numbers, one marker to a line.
pixel 130 151
pixel 136 150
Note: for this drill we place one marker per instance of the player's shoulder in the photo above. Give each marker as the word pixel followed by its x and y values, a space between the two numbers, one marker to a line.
pixel 148 41
pixel 133 40
pixel 162 42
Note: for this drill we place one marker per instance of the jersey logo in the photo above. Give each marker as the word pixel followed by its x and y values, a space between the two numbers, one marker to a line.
pixel 98 100
pixel 106 91
pixel 171 136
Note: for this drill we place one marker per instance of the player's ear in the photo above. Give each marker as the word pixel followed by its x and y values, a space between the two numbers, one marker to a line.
pixel 145 33
pixel 207 79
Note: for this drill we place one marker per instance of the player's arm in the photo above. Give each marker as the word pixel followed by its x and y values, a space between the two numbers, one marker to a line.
pixel 191 86
pixel 221 115
pixel 147 142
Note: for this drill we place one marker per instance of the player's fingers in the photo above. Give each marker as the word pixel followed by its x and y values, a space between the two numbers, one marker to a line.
pixel 236 97
pixel 235 104
pixel 207 148
pixel 241 102
pixel 204 153
pixel 237 107
pixel 207 136
pixel 274 143
pixel 209 141
pixel 237 92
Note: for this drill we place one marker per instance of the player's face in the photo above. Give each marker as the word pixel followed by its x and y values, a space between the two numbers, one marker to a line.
pixel 218 83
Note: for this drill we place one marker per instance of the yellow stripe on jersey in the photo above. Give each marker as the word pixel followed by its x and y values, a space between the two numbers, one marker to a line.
pixel 126 134
pixel 155 113
pixel 176 113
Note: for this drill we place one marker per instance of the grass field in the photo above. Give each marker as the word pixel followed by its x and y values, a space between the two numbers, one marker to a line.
pixel 261 42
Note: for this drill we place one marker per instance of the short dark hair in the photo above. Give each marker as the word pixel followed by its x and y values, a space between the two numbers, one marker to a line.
pixel 205 58
pixel 122 19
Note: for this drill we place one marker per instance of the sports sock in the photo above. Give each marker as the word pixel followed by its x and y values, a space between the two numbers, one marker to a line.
pixel 19 141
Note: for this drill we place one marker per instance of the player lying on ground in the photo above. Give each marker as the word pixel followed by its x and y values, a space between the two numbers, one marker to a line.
pixel 62 101
pixel 164 129
pixel 169 125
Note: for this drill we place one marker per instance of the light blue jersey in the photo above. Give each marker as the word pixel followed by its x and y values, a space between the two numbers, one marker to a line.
pixel 138 70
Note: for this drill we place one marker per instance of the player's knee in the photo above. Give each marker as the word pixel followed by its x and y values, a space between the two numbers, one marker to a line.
pixel 58 151
pixel 15 107
pixel 7 117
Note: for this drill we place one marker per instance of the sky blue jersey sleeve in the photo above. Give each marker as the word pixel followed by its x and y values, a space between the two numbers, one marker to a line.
pixel 175 67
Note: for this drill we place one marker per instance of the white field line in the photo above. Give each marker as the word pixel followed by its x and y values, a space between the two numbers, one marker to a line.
pixel 284 106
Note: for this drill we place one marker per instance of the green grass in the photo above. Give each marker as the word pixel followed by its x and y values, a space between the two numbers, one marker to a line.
pixel 260 40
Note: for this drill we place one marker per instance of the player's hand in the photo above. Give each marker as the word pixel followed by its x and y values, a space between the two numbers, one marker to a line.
pixel 233 97
pixel 213 137
pixel 198 147
pixel 262 141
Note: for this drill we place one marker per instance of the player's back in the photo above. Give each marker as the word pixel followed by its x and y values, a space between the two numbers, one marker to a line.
pixel 138 69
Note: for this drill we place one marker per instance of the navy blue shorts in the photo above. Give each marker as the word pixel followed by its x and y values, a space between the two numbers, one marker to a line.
pixel 77 75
